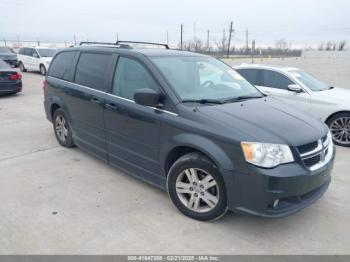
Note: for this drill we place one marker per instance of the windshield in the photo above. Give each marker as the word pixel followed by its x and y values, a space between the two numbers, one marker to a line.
pixel 204 78
pixel 5 50
pixel 47 52
pixel 309 81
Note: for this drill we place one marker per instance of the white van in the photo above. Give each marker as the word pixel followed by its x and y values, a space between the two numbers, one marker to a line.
pixel 35 58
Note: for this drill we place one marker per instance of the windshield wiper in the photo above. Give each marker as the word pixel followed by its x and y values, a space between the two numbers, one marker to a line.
pixel 240 98
pixel 204 101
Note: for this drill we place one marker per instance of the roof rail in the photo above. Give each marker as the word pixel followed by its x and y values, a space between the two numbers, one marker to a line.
pixel 143 43
pixel 105 43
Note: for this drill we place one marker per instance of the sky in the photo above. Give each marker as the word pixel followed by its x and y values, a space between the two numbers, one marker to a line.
pixel 299 22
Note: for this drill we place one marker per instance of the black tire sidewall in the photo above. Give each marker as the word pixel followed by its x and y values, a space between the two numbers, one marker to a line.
pixel 197 160
pixel 69 141
pixel 21 67
pixel 332 119
pixel 42 66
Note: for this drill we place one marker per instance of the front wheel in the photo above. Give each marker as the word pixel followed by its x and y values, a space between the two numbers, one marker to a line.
pixel 43 70
pixel 339 126
pixel 21 67
pixel 196 188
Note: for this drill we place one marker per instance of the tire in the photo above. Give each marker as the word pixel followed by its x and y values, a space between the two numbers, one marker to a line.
pixel 196 199
pixel 339 125
pixel 21 67
pixel 42 70
pixel 62 129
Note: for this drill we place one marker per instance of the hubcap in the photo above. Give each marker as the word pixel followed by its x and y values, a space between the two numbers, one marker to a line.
pixel 197 190
pixel 61 128
pixel 340 129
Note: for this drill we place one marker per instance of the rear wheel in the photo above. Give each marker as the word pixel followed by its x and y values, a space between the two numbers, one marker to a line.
pixel 21 67
pixel 62 129
pixel 339 126
pixel 196 188
pixel 42 70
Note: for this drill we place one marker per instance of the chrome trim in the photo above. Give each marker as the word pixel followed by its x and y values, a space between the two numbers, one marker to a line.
pixel 109 94
pixel 316 150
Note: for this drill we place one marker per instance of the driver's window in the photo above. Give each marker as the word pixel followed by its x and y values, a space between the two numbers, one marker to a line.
pixel 34 53
pixel 275 80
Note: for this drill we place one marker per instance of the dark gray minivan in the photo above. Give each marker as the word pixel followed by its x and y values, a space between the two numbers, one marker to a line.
pixel 191 125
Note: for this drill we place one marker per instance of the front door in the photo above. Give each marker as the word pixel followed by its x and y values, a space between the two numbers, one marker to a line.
pixel 132 130
pixel 276 85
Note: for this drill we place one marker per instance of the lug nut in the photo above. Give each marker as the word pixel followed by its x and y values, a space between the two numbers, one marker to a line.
pixel 201 186
pixel 191 188
pixel 202 193
pixel 195 194
pixel 194 183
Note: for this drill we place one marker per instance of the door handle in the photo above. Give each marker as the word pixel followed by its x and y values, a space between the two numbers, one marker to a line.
pixel 111 106
pixel 96 101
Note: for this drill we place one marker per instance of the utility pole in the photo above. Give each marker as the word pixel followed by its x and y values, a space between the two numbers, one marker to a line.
pixel 229 40
pixel 253 49
pixel 181 36
pixel 5 42
pixel 208 32
pixel 75 40
pixel 246 40
pixel 167 37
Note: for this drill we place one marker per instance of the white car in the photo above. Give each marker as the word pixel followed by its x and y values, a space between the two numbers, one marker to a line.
pixel 35 58
pixel 303 91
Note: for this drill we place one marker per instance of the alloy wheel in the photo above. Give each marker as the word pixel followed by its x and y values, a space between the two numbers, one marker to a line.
pixel 61 128
pixel 197 190
pixel 340 129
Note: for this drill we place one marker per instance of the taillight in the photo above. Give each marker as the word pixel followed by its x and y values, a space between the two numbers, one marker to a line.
pixel 44 87
pixel 15 76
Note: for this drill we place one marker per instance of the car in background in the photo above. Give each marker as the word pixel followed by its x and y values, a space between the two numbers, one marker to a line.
pixel 10 79
pixel 297 88
pixel 7 55
pixel 35 58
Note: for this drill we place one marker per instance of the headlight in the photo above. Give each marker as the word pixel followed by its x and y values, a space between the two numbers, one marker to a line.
pixel 266 155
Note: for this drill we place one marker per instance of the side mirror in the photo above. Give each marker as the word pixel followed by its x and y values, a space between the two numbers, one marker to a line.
pixel 295 88
pixel 147 97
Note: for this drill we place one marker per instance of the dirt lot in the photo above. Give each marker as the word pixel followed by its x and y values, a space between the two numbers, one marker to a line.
pixel 63 201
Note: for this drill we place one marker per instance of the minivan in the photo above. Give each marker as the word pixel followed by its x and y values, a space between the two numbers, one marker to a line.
pixel 190 125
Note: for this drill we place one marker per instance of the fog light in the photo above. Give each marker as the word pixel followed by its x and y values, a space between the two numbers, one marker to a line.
pixel 275 203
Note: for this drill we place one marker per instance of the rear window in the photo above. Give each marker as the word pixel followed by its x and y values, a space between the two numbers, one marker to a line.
pixel 62 66
pixel 251 75
pixel 92 70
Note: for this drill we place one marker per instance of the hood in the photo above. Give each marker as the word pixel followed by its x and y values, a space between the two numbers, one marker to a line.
pixel 337 95
pixel 8 56
pixel 266 120
pixel 47 59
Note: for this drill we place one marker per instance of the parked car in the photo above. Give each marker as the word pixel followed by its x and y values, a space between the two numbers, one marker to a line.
pixel 35 59
pixel 190 125
pixel 303 91
pixel 10 79
pixel 7 55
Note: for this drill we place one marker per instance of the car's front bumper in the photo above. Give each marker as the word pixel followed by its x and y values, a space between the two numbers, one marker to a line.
pixel 10 87
pixel 295 188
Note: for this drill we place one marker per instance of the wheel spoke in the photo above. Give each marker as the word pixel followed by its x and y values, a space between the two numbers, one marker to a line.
pixel 183 188
pixel 210 199
pixel 208 182
pixel 194 175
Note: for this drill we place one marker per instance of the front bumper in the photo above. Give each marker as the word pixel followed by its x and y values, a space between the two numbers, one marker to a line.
pixel 10 87
pixel 255 192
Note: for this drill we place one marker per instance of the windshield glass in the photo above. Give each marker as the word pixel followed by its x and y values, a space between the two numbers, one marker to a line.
pixel 47 52
pixel 5 50
pixel 204 78
pixel 309 81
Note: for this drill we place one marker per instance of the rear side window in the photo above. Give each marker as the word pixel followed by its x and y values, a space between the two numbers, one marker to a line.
pixel 275 80
pixel 92 70
pixel 62 66
pixel 27 51
pixel 21 51
pixel 251 75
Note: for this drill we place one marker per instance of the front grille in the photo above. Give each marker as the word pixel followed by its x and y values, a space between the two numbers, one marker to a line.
pixel 308 147
pixel 309 162
pixel 316 154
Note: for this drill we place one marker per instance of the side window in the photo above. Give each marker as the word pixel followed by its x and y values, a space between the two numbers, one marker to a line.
pixel 21 51
pixel 275 80
pixel 27 51
pixel 34 53
pixel 251 75
pixel 92 70
pixel 62 66
pixel 130 76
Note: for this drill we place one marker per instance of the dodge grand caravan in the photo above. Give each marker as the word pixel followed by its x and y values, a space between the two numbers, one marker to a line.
pixel 190 125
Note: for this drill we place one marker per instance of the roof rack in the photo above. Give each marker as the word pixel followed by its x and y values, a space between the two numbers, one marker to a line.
pixel 143 43
pixel 105 43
